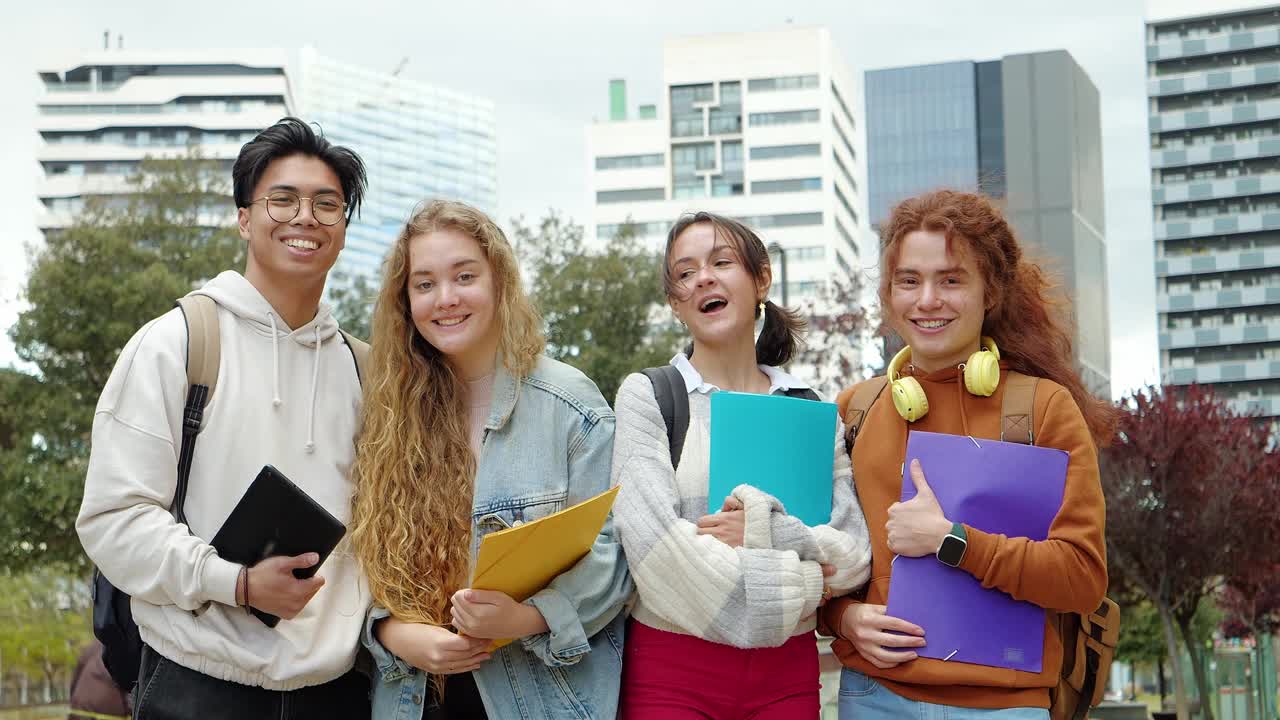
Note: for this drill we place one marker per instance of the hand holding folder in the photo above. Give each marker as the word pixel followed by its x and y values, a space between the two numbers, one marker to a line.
pixel 522 560
pixel 998 487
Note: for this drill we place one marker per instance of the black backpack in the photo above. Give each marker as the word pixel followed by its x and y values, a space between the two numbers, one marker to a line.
pixel 673 402
pixel 113 623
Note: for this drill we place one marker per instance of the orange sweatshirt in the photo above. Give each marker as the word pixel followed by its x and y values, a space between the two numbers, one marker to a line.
pixel 1068 571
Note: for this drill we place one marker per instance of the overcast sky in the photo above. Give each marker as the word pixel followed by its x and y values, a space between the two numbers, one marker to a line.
pixel 546 65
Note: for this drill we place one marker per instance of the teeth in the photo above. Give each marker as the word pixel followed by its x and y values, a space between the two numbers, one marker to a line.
pixel 302 244
pixel 932 323
pixel 450 322
pixel 709 303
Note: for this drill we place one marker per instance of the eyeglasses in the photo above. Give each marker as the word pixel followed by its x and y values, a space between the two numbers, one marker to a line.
pixel 284 205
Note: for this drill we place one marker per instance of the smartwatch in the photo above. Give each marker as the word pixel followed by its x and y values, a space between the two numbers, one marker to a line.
pixel 951 551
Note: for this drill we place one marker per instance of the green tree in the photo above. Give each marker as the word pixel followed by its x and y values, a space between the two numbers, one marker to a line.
pixel 122 263
pixel 1142 639
pixel 44 623
pixel 352 298
pixel 602 307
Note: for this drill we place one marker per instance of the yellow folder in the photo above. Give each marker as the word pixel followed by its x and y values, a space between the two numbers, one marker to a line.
pixel 522 560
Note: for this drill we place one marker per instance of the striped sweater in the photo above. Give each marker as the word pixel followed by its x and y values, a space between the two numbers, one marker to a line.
pixel 758 595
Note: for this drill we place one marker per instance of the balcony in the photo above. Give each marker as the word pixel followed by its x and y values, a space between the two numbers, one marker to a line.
pixel 1218 262
pixel 1215 189
pixel 1218 299
pixel 1225 79
pixel 1214 43
pixel 1215 152
pixel 1216 225
pixel 1214 116
pixel 1225 335
pixel 1231 371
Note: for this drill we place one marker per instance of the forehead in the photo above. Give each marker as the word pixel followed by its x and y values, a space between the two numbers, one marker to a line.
pixel 699 240
pixel 929 250
pixel 305 173
pixel 439 250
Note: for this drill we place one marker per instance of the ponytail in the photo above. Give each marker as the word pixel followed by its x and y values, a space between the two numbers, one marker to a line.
pixel 781 337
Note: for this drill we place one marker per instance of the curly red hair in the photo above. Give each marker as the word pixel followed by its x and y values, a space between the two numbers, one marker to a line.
pixel 1025 315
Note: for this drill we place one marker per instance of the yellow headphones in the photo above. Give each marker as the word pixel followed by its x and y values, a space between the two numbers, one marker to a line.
pixel 981 377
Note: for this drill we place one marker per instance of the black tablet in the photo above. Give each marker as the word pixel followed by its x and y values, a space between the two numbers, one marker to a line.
pixel 275 517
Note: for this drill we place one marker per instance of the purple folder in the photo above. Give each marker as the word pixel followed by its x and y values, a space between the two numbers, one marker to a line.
pixel 999 487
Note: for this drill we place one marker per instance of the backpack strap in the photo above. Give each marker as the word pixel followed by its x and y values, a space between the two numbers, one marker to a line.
pixel 204 344
pixel 204 353
pixel 673 402
pixel 1016 410
pixel 359 352
pixel 857 403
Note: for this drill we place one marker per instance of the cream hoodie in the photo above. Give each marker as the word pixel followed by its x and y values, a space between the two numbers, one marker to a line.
pixel 289 398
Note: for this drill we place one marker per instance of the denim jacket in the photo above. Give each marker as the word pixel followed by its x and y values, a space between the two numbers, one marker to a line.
pixel 547 445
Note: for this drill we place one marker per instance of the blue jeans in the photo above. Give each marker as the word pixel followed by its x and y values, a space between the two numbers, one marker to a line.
pixel 862 698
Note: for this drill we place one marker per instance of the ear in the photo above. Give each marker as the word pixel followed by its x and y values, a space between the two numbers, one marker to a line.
pixel 763 283
pixel 242 218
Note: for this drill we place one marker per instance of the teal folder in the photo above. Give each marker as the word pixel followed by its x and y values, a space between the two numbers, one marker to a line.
pixel 781 445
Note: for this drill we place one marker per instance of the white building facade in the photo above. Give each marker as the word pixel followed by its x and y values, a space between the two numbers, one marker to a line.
pixel 757 126
pixel 102 112
pixel 1213 83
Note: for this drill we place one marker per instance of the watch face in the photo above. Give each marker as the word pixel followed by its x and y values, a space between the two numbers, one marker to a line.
pixel 952 550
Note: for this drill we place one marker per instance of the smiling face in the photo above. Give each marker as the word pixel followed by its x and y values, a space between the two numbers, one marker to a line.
pixel 937 300
pixel 301 251
pixel 715 294
pixel 453 299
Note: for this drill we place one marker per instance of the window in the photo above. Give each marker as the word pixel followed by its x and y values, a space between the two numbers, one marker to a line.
pixel 848 146
pixel 772 152
pixel 848 177
pixel 777 221
pixel 729 181
pixel 847 237
pixel 812 252
pixel 645 229
pixel 788 117
pixel 616 196
pixel 840 101
pixel 687 119
pixel 789 185
pixel 844 201
pixel 726 118
pixel 621 162
pixel 790 82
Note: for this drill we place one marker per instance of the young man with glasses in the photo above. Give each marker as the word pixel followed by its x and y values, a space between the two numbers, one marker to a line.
pixel 287 395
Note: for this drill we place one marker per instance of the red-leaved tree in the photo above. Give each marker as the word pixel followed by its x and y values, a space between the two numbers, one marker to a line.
pixel 1191 490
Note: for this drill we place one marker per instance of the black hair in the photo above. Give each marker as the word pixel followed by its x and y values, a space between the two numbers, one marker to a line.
pixel 291 136
pixel 783 333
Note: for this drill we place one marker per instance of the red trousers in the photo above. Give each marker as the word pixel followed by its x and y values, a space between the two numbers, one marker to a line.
pixel 668 676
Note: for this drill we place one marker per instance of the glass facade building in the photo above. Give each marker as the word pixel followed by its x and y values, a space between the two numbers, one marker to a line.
pixel 1024 130
pixel 418 142
pixel 933 126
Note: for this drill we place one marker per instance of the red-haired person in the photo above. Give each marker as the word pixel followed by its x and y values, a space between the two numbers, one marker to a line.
pixel 955 285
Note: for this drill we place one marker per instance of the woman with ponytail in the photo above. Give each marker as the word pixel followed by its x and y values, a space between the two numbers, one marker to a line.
pixel 955 285
pixel 724 618
pixel 470 429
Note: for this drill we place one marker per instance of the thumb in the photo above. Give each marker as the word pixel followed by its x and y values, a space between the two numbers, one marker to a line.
pixel 917 479
pixel 484 597
pixel 304 560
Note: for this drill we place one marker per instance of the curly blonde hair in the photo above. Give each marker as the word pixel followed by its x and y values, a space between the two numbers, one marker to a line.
pixel 414 469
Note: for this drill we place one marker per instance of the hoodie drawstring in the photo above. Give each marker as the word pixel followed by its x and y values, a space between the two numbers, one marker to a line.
pixel 315 380
pixel 275 361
